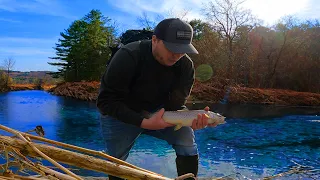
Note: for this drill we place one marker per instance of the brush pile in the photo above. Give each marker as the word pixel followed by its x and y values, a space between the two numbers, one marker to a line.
pixel 87 91
pixel 214 91
pixel 24 156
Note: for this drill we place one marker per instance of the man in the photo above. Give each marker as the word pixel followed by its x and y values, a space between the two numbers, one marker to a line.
pixel 151 76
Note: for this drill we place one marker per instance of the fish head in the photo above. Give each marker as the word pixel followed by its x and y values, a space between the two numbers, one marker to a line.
pixel 215 117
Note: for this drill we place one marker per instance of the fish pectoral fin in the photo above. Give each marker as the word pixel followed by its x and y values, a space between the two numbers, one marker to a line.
pixel 182 110
pixel 177 127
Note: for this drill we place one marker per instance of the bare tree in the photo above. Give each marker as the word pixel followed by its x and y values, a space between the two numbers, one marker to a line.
pixel 281 44
pixel 226 17
pixel 181 14
pixel 8 66
pixel 145 21
pixel 150 23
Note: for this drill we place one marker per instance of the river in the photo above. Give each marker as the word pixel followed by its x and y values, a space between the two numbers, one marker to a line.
pixel 257 141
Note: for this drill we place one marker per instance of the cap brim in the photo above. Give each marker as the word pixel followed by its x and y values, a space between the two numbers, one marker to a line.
pixel 180 48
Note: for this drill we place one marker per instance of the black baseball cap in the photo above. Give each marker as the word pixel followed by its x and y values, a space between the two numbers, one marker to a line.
pixel 176 35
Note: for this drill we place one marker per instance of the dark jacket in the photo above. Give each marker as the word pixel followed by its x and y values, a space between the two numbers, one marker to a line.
pixel 134 82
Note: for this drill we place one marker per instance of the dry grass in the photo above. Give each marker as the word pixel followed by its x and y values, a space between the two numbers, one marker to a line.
pixel 273 96
pixel 215 92
pixel 19 87
pixel 47 87
pixel 79 90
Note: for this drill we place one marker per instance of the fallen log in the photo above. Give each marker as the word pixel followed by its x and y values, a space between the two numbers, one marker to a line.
pixel 72 147
pixel 80 160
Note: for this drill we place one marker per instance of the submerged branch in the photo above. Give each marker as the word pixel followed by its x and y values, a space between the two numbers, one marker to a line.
pixel 298 169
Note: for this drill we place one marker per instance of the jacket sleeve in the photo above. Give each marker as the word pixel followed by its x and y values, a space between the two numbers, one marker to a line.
pixel 181 91
pixel 114 88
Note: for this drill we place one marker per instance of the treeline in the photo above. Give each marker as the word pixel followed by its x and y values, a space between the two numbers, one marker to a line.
pixel 232 41
pixel 286 56
pixel 35 80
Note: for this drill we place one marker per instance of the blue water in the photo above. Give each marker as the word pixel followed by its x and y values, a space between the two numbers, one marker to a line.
pixel 243 148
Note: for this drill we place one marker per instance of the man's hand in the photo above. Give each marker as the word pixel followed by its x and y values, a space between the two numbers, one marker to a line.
pixel 202 121
pixel 155 122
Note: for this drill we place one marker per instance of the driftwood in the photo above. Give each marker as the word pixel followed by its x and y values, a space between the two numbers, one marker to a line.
pixel 27 164
pixel 80 160
pixel 34 148
pixel 16 177
pixel 88 151
pixel 28 141
pixel 308 171
pixel 19 149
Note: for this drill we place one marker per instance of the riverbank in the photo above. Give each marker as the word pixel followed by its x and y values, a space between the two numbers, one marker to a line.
pixel 207 92
pixel 22 87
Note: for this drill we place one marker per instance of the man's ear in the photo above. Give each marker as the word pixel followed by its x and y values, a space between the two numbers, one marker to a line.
pixel 154 38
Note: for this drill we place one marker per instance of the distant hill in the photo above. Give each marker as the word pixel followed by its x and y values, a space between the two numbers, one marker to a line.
pixel 31 77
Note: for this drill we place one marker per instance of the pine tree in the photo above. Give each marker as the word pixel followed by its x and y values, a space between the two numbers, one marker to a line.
pixel 83 49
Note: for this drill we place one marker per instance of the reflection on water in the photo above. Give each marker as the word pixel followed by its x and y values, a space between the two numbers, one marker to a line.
pixel 243 148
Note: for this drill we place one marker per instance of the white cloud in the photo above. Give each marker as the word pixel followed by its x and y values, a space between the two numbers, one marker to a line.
pixel 25 51
pixel 9 20
pixel 4 5
pixel 312 10
pixel 22 47
pixel 26 58
pixel 22 40
pixel 164 8
pixel 46 7
pixel 270 11
pixel 27 41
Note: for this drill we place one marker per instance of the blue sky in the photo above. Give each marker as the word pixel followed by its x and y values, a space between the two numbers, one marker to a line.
pixel 29 29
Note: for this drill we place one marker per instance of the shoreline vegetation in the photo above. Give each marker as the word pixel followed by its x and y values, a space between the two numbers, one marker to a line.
pixel 202 92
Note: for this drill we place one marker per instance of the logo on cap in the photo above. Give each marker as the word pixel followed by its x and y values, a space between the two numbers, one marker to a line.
pixel 185 35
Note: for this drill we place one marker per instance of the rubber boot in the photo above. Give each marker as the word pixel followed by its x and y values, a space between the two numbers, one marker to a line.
pixel 187 164
pixel 114 178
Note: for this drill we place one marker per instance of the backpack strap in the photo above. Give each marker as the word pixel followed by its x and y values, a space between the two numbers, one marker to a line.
pixel 143 46
pixel 143 49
